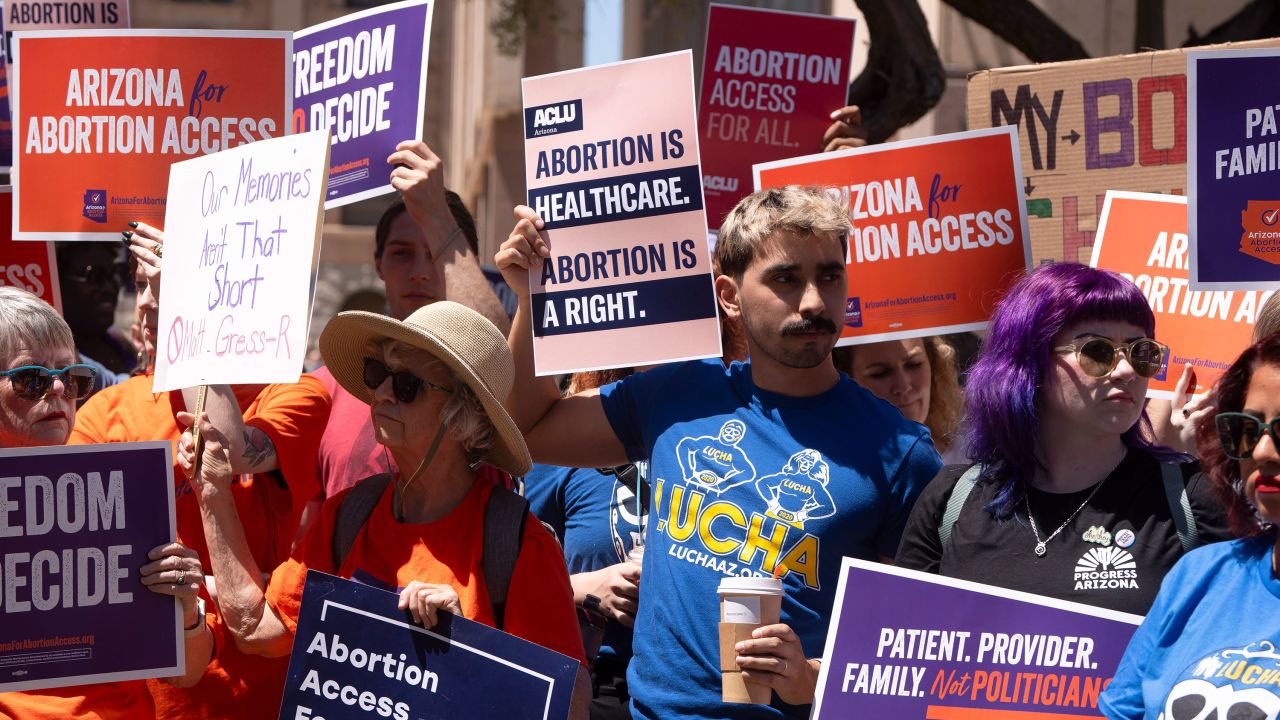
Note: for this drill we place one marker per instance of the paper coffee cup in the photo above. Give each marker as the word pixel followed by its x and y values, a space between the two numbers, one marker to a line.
pixel 746 603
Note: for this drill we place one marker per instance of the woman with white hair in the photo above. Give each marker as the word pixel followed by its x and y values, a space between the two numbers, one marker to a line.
pixel 435 384
pixel 40 382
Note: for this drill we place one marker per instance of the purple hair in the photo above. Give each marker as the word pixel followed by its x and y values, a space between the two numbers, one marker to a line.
pixel 1002 393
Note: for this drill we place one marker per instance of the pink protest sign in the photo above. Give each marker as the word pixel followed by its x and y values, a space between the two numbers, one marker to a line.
pixel 770 80
pixel 611 161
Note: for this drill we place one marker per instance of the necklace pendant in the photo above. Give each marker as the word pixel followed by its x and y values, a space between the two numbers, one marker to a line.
pixel 1041 549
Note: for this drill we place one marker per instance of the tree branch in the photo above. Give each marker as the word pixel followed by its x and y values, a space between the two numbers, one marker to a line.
pixel 903 78
pixel 1023 26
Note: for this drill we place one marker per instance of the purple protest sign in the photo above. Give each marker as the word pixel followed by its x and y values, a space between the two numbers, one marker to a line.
pixel 364 77
pixel 1233 145
pixel 94 510
pixel 908 645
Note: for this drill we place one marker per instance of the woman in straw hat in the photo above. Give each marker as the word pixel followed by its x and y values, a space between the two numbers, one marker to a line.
pixel 435 384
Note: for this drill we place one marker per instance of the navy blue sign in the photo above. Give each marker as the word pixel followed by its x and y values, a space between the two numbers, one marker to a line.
pixel 355 655
pixel 76 524
pixel 1234 169
pixel 561 117
pixel 621 197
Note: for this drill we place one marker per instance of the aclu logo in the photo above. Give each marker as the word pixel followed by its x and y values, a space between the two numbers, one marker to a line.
pixel 716 183
pixel 561 117
pixel 853 312
pixel 95 205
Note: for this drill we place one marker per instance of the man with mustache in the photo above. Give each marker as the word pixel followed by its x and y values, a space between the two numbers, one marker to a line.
pixel 849 462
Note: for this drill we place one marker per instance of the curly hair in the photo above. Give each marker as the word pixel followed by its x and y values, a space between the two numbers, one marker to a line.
pixel 946 399
pixel 1222 471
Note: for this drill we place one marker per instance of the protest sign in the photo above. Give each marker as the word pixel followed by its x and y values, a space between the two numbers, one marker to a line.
pixel 99 115
pixel 457 669
pixel 76 527
pixel 1143 236
pixel 938 235
pixel 611 161
pixel 770 80
pixel 1233 139
pixel 31 266
pixel 45 15
pixel 1117 123
pixel 913 646
pixel 243 239
pixel 6 120
pixel 363 77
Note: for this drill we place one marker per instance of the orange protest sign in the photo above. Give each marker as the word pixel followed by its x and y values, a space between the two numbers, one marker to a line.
pixel 1143 236
pixel 939 231
pixel 99 115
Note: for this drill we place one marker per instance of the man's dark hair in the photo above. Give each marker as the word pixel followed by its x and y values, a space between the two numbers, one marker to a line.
pixel 461 215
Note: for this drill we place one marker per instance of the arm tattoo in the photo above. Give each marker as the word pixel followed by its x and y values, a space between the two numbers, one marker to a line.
pixel 258 450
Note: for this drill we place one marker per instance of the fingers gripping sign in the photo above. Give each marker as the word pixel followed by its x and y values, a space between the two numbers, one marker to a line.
pixel 525 248
pixel 846 130
pixel 425 600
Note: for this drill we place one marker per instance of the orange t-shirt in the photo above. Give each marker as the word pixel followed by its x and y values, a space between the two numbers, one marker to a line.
pixel 269 504
pixel 448 552
pixel 126 700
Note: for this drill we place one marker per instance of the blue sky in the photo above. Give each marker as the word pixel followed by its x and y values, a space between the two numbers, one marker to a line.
pixel 603 32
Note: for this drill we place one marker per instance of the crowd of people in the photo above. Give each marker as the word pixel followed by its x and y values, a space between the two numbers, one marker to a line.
pixel 427 458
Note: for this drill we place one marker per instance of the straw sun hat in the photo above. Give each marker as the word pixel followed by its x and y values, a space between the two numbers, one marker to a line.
pixel 472 348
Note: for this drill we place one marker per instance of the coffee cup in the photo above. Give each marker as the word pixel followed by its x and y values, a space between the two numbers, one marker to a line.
pixel 746 603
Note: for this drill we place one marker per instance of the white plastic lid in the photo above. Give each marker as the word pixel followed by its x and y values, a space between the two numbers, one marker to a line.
pixel 750 586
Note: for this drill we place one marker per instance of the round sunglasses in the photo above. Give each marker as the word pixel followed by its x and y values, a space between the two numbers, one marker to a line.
pixel 405 385
pixel 1098 357
pixel 32 382
pixel 1240 433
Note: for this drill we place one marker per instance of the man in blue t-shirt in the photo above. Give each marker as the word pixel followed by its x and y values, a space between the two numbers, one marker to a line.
pixel 776 467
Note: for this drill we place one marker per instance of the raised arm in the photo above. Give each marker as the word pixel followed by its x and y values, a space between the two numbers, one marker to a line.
pixel 254 625
pixel 572 431
pixel 419 176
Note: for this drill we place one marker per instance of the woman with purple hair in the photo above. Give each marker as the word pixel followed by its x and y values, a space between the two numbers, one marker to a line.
pixel 1068 498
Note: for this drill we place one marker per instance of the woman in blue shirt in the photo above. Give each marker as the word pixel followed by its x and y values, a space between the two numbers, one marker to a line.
pixel 1210 647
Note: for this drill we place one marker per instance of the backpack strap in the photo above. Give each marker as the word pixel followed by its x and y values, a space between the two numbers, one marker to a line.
pixel 504 518
pixel 1175 492
pixel 955 503
pixel 354 512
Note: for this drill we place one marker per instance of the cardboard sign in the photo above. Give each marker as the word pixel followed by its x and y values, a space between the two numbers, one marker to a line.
pixel 1144 237
pixel 363 77
pixel 1087 126
pixel 457 669
pixel 242 242
pixel 77 525
pixel 1234 218
pixel 770 80
pixel 100 115
pixel 611 160
pixel 31 266
pixel 912 646
pixel 938 235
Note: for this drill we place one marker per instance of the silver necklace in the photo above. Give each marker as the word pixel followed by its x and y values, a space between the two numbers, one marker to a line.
pixel 1041 545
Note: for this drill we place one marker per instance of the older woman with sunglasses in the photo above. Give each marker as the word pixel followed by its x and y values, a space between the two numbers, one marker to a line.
pixel 39 385
pixel 434 383
pixel 1209 646
pixel 1068 498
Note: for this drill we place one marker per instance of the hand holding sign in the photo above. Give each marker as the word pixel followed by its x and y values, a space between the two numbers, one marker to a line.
pixel 526 248
pixel 147 245
pixel 418 173
pixel 846 130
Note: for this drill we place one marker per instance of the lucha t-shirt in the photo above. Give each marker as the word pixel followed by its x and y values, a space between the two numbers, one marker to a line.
pixel 1112 554
pixel 746 482
pixel 1210 647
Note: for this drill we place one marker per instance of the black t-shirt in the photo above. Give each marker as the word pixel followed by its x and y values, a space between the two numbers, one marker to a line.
pixel 1113 554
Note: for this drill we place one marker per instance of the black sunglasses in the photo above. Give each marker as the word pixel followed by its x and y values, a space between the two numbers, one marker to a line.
pixel 32 382
pixel 1240 433
pixel 404 384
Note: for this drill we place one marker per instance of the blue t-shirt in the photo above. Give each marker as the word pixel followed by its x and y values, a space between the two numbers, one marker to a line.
pixel 595 516
pixel 748 482
pixel 1209 646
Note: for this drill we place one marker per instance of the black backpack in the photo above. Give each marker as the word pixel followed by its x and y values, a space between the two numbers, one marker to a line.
pixel 504 517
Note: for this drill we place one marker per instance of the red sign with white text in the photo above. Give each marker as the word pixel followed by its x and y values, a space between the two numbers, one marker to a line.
pixel 30 266
pixel 770 80
pixel 939 229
